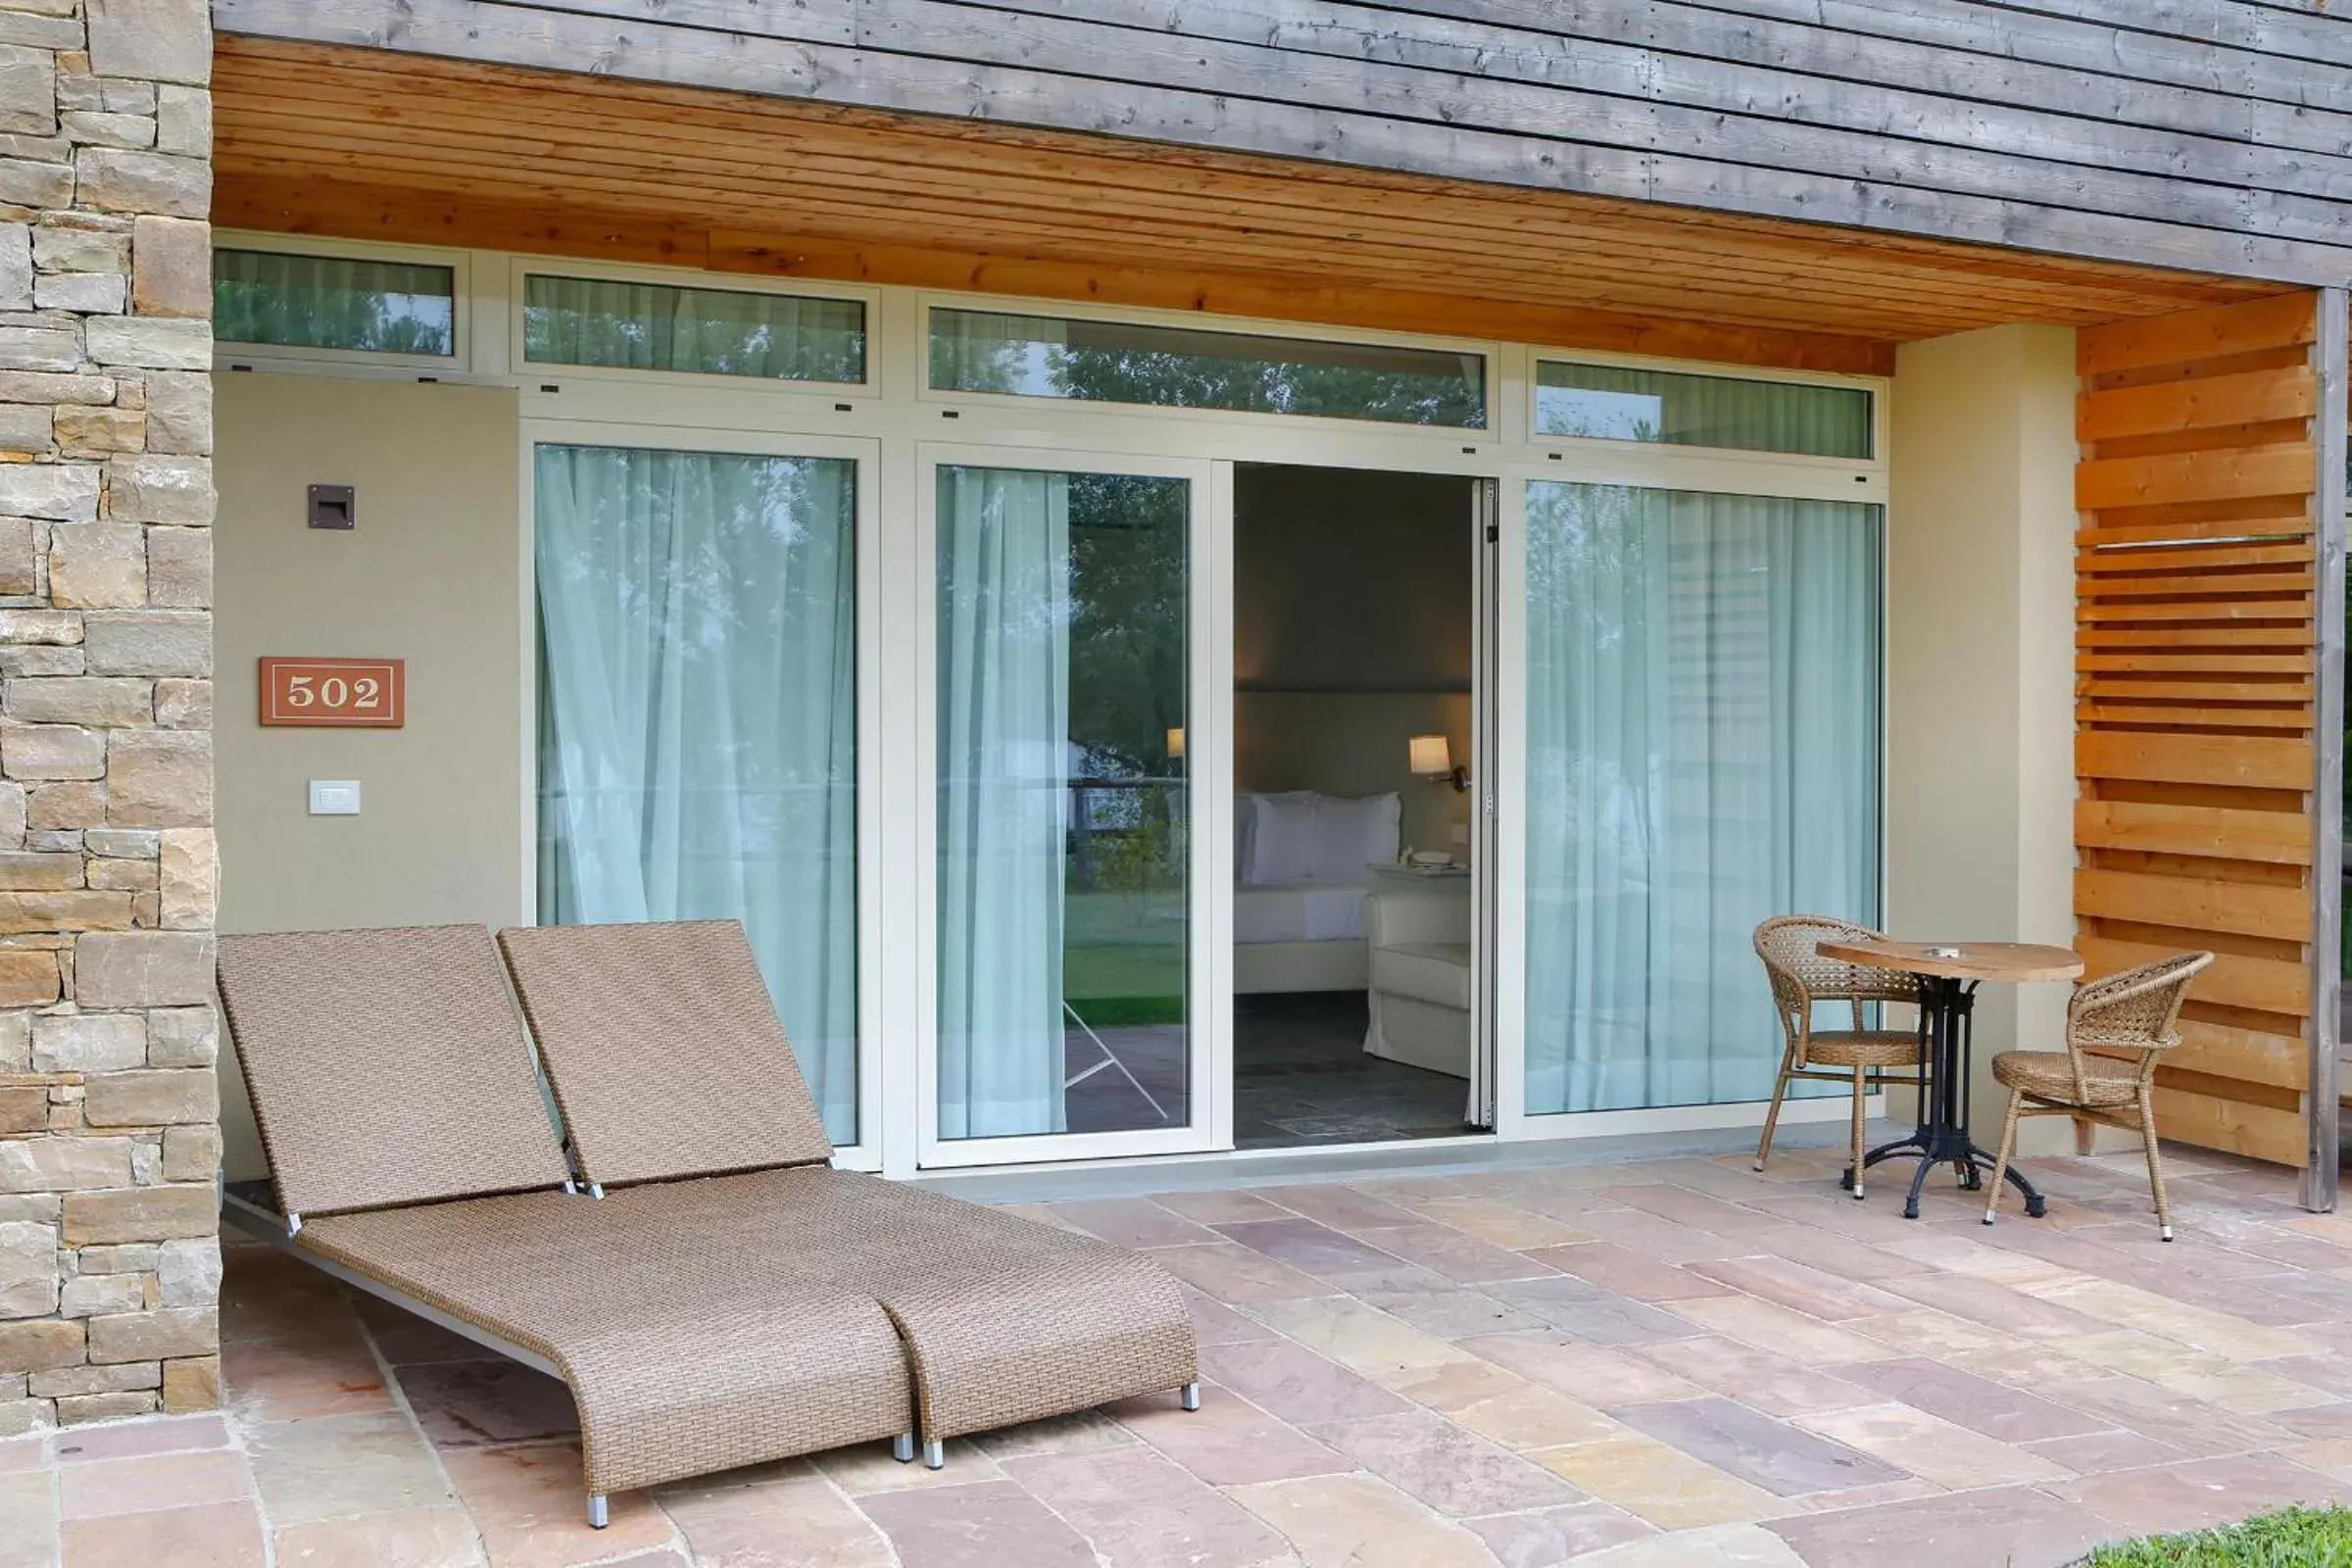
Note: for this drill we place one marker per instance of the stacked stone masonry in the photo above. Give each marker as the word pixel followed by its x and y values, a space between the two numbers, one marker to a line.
pixel 110 1138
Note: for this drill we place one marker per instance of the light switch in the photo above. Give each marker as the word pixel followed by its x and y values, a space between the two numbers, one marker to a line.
pixel 334 797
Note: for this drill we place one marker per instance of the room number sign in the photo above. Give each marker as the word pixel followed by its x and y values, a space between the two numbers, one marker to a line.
pixel 334 693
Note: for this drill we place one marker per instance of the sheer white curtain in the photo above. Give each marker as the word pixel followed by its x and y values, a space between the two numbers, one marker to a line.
pixel 714 331
pixel 1703 729
pixel 336 302
pixel 698 716
pixel 1003 550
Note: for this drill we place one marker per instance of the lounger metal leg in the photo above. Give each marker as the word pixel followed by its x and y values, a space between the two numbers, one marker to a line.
pixel 1190 1397
pixel 597 1518
pixel 935 1455
pixel 902 1447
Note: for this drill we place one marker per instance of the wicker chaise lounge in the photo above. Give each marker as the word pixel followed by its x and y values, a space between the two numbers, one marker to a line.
pixel 413 1155
pixel 674 1076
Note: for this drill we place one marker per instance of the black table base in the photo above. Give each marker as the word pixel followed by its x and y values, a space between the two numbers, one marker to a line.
pixel 1946 1014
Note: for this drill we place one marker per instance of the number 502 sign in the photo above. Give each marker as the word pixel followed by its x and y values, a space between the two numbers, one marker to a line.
pixel 334 693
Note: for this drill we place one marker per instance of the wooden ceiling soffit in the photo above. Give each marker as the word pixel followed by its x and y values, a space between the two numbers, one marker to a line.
pixel 301 204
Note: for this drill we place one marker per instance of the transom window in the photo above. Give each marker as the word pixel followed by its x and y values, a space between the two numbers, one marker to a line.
pixel 1625 403
pixel 334 302
pixel 621 323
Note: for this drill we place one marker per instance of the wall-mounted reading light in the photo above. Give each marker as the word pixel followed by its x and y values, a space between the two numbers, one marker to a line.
pixel 1433 759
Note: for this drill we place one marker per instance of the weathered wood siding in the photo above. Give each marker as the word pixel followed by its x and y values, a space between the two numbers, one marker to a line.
pixel 2206 495
pixel 2209 134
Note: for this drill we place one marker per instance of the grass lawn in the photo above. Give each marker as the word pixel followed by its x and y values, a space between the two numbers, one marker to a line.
pixel 2299 1538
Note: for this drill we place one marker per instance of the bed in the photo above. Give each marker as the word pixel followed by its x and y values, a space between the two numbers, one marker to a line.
pixel 1301 877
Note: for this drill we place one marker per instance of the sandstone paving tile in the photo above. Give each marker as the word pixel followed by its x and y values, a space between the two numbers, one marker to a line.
pixel 1801 1289
pixel 528 1503
pixel 1660 1483
pixel 1336 1205
pixel 157 1481
pixel 27 1519
pixel 1215 1323
pixel 1723 1547
pixel 1044 1215
pixel 1925 1332
pixel 344 1465
pixel 1932 1447
pixel 1869 1496
pixel 1454 1312
pixel 1546 1537
pixel 2095 1452
pixel 2200 1493
pixel 1132 1222
pixel 1360 1336
pixel 1359 1521
pixel 1138 1510
pixel 212 1535
pixel 1453 1471
pixel 1310 1246
pixel 1629 1272
pixel 290 1378
pixel 868 1467
pixel 1528 1416
pixel 1997 1409
pixel 403 1338
pixel 663 1558
pixel 1770 1383
pixel 468 1403
pixel 980 1524
pixel 1293 1384
pixel 1455 1387
pixel 2330 1456
pixel 1502 1224
pixel 1954 1253
pixel 2316 1423
pixel 2187 1425
pixel 1770 1326
pixel 1589 1312
pixel 1452 1256
pixel 1216 1205
pixel 1228 1440
pixel 128 1439
pixel 2004 1308
pixel 2194 1373
pixel 795 1522
pixel 1782 1458
pixel 1062 1433
pixel 2131 1307
pixel 1236 1275
pixel 266 1295
pixel 2014 1527
pixel 1656 1237
pixel 1596 1374
pixel 402 1538
pixel 23 1453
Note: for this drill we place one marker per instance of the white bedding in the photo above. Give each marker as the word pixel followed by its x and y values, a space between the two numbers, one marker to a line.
pixel 1299 912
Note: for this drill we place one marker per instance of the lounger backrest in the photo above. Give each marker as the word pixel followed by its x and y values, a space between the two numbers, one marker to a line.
pixel 387 1067
pixel 665 1050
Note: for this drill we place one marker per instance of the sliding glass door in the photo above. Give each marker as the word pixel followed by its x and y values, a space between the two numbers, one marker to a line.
pixel 1702 752
pixel 698 748
pixel 1064 920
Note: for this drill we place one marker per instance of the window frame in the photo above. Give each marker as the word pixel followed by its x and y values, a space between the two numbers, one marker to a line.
pixel 236 353
pixel 1875 387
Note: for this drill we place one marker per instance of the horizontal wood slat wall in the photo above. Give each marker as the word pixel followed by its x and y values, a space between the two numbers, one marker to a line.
pixel 2196 679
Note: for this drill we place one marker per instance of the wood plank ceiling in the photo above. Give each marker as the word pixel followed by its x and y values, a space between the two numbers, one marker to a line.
pixel 412 148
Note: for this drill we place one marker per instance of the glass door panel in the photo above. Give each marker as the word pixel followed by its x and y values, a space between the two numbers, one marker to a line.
pixel 697 728
pixel 1062 852
pixel 1702 752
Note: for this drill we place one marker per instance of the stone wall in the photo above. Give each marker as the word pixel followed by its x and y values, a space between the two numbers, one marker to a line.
pixel 109 1122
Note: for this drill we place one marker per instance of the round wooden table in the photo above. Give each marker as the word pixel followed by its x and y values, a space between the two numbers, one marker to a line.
pixel 1948 975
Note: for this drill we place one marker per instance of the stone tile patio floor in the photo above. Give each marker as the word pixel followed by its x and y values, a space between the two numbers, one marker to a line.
pixel 1675 1363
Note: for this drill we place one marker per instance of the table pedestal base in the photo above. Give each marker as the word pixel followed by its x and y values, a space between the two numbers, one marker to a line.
pixel 1946 1016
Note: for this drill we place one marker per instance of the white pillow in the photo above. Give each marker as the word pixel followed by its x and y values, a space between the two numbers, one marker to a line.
pixel 1283 839
pixel 1244 835
pixel 1351 835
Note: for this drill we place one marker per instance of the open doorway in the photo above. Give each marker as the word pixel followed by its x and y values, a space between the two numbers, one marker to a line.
pixel 1355 956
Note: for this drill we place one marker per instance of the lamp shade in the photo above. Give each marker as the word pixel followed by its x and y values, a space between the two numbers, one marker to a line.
pixel 1431 755
pixel 1176 744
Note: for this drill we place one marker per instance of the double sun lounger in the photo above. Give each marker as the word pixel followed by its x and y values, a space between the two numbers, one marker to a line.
pixel 720 1295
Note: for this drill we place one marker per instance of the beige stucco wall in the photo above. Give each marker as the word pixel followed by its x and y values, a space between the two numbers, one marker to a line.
pixel 433 575
pixel 1981 666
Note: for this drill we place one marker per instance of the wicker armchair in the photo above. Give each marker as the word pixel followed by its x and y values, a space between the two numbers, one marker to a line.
pixel 2116 1028
pixel 1790 948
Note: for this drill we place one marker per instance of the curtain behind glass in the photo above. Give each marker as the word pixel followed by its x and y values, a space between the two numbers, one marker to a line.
pixel 698 718
pixel 1703 732
pixel 1003 552
pixel 1625 403
pixel 713 331
pixel 333 302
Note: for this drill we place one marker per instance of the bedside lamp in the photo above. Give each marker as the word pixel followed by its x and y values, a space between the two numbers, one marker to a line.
pixel 1176 744
pixel 1433 759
